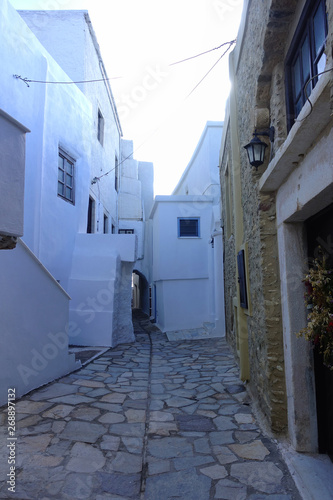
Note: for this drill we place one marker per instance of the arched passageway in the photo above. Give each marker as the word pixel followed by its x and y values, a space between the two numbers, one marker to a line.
pixel 140 292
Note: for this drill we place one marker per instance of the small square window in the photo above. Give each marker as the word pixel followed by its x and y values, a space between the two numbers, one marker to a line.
pixel 66 176
pixel 188 227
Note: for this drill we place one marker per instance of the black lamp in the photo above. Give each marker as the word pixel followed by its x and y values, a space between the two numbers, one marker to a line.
pixel 256 148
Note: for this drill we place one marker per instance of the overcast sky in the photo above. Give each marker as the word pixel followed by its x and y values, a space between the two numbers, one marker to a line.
pixel 139 39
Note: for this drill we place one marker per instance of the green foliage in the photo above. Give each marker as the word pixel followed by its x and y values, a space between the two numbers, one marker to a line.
pixel 319 301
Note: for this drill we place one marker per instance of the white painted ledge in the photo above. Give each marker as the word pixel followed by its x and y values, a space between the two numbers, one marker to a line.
pixel 302 135
pixel 42 267
pixel 312 473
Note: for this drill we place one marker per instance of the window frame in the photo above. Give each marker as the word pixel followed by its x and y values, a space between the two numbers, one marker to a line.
pixel 179 219
pixel 66 157
pixel 100 127
pixel 91 215
pixel 116 174
pixel 243 301
pixel 305 29
pixel 105 223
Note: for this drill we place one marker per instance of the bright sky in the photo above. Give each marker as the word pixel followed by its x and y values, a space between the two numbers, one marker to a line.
pixel 139 39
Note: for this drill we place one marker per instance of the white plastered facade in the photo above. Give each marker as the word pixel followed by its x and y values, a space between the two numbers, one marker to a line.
pixel 188 272
pixel 56 253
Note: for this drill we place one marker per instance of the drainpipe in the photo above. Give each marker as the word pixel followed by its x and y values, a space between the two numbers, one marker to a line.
pixel 242 331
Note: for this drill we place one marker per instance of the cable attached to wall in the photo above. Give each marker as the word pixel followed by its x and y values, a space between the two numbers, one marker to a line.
pixel 27 80
pixel 229 44
pixel 95 179
pixel 306 94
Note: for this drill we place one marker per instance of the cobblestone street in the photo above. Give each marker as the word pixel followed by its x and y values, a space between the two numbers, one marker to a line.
pixel 153 420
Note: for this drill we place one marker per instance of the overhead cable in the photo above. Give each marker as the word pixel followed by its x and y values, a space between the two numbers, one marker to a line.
pixel 158 127
pixel 27 80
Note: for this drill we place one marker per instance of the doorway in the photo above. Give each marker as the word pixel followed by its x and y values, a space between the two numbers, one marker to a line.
pixel 319 229
pixel 140 292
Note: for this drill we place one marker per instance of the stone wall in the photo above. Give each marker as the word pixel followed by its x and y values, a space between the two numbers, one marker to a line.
pixel 259 86
pixel 229 267
pixel 260 97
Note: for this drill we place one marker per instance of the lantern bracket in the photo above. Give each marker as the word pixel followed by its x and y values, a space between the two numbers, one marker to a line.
pixel 267 133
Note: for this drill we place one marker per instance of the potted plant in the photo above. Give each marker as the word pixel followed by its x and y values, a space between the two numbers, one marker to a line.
pixel 319 301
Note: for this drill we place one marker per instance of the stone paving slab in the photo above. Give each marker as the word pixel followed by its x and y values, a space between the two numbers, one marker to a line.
pixel 151 420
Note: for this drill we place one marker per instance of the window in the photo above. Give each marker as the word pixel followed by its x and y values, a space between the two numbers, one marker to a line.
pixel 91 215
pixel 116 174
pixel 66 176
pixel 189 227
pixel 306 57
pixel 106 224
pixel 242 279
pixel 100 127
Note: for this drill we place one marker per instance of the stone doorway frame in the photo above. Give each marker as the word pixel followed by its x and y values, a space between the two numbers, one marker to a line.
pixel 293 259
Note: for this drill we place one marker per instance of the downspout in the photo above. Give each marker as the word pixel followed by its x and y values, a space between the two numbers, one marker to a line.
pixel 238 217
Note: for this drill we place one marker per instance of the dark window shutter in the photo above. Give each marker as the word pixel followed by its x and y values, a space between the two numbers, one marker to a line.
pixel 188 227
pixel 242 279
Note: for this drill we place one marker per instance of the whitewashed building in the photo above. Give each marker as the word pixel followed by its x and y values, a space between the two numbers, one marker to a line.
pixel 69 278
pixel 187 246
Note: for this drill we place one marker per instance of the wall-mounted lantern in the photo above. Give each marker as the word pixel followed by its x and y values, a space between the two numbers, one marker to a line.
pixel 256 148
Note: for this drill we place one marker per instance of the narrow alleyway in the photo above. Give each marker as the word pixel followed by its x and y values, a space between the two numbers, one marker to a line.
pixel 154 420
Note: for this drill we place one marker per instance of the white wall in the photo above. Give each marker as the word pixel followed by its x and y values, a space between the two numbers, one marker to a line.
pixel 62 116
pixel 69 38
pixel 136 197
pixel 181 265
pixel 57 115
pixel 34 324
pixel 100 287
pixel 188 272
pixel 182 304
pixel 12 167
pixel 201 175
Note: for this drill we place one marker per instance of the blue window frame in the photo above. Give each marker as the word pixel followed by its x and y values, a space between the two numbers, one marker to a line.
pixel 188 227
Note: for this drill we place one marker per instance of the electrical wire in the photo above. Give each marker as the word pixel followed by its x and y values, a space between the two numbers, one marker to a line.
pixel 27 80
pixel 306 93
pixel 188 95
pixel 95 179
pixel 202 79
pixel 202 53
